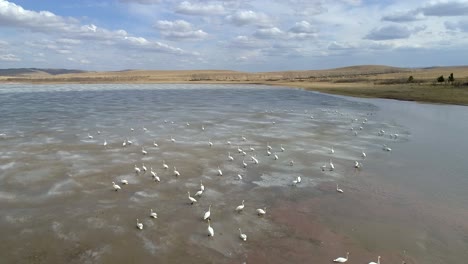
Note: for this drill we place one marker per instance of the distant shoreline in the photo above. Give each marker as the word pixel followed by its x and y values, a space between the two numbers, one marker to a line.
pixel 371 81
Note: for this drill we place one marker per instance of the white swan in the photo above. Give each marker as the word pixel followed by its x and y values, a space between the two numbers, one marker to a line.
pixel 240 207
pixel 239 176
pixel 244 164
pixel 363 155
pixel 276 157
pixel 242 236
pixel 261 211
pixel 230 158
pixel 323 167
pixel 124 144
pixel 356 164
pixel 220 172
pixel 137 170
pixel 207 214
pixel 165 166
pixel 299 179
pixel 210 143
pixel 210 229
pixel 268 152
pixel 153 214
pixel 90 137
pixel 129 142
pixel 332 166
pixel 115 186
pixel 228 142
pixel 255 160
pixel 251 148
pixel 139 225
pixel 282 148
pixel 143 167
pixel 199 193
pixel 268 146
pixel 239 149
pixel 105 143
pixel 291 163
pixel 332 151
pixel 154 175
pixel 341 259
pixel 202 187
pixel 155 144
pixel 192 200
pixel 176 172
pixel 338 189
pixel 203 128
pixel 378 261
pixel 143 151
pixel 243 138
pixel 172 139
pixel 123 181
pixel 386 148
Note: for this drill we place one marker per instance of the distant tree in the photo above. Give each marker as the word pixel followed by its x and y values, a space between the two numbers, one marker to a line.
pixel 450 78
pixel 410 79
pixel 441 79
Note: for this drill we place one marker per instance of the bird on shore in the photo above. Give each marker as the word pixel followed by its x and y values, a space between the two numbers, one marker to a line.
pixel 240 207
pixel 239 177
pixel 139 224
pixel 363 155
pixel 386 148
pixel 143 168
pixel 210 143
pixel 242 236
pixel 155 144
pixel 143 151
pixel 244 164
pixel 342 259
pixel 192 200
pixel 276 157
pixel 268 146
pixel 124 181
pixel 153 214
pixel 115 186
pixel 154 175
pixel 105 143
pixel 165 166
pixel 282 148
pixel 220 172
pixel 357 165
pixel 291 163
pixel 332 151
pixel 230 158
pixel 199 193
pixel 90 137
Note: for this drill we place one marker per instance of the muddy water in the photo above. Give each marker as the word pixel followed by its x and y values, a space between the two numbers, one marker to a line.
pixel 58 205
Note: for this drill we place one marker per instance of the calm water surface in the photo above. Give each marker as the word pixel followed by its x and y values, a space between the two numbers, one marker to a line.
pixel 58 205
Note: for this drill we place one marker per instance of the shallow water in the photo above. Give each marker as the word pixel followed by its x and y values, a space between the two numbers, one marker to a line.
pixel 57 203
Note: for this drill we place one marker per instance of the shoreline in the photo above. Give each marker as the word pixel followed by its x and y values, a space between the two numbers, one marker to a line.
pixel 365 81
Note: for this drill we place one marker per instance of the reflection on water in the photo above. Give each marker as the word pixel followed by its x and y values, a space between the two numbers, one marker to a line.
pixel 57 202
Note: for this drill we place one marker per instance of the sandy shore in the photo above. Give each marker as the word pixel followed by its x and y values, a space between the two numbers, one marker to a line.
pixel 372 81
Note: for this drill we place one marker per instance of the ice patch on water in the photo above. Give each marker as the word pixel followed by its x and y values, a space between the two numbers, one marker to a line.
pixel 64 187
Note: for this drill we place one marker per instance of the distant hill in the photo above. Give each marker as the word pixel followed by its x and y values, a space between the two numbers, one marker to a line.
pixel 29 71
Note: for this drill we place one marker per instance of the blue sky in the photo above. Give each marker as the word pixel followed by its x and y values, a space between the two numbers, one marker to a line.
pixel 245 35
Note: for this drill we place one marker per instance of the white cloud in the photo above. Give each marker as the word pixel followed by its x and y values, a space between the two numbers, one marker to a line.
pixel 244 42
pixel 179 29
pixel 458 25
pixel 403 17
pixel 341 46
pixel 303 27
pixel 249 17
pixel 141 2
pixel 446 8
pixel 9 57
pixel 200 9
pixel 269 33
pixel 389 32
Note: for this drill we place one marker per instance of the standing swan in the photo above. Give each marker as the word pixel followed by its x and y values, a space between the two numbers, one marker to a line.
pixel 220 172
pixel 210 229
pixel 176 172
pixel 230 158
pixel 115 186
pixel 192 200
pixel 207 214
pixel 378 261
pixel 341 259
pixel 240 207
pixel 139 225
pixel 165 166
pixel 202 187
pixel 153 214
pixel 242 236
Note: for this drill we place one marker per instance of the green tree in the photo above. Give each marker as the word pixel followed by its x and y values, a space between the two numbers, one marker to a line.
pixel 441 79
pixel 450 78
pixel 410 79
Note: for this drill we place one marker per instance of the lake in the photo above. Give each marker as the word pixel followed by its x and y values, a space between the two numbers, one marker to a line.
pixel 58 204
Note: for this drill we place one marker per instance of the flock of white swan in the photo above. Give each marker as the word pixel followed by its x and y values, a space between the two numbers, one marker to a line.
pixel 230 158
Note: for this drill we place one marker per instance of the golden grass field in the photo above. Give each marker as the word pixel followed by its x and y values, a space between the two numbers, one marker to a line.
pixel 361 81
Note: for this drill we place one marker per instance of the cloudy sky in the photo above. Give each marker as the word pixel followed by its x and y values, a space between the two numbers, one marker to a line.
pixel 246 35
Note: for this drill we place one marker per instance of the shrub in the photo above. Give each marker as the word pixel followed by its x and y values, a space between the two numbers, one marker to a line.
pixel 441 79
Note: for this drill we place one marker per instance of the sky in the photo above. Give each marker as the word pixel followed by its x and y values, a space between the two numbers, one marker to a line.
pixel 243 35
